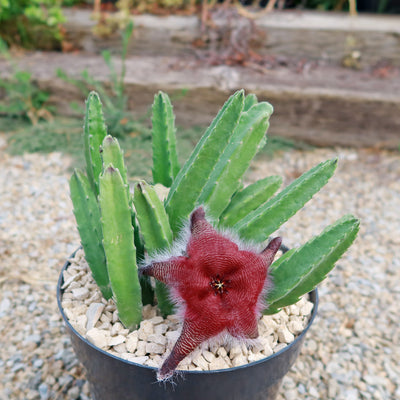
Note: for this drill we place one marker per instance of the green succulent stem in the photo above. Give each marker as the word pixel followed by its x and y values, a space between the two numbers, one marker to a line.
pixel 165 158
pixel 195 173
pixel 119 247
pixel 225 178
pixel 87 215
pixel 301 270
pixel 156 231
pixel 259 224
pixel 249 199
pixel 94 133
pixel 111 153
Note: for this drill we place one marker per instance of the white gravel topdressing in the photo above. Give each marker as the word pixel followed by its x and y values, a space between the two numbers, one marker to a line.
pixel 97 320
pixel 351 351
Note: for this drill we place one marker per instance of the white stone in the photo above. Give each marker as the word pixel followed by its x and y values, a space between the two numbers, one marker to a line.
pixel 67 282
pixel 110 307
pixel 239 359
pixel 116 328
pixel 235 351
pixel 245 350
pixel 141 348
pixel 124 332
pixel 307 308
pixel 173 318
pixel 132 341
pixel 201 362
pixel 115 317
pixel 284 336
pixel 148 312
pixel 106 317
pixel 152 363
pixel 269 321
pixel 120 348
pixel 157 338
pixel 314 392
pixel 263 327
pixel 291 394
pixel 80 293
pixel 160 329
pixel 208 356
pixel 192 367
pixel 257 346
pixel 295 327
pixel 98 337
pixel 267 349
pixel 138 360
pixel 186 361
pixel 219 363
pixel 255 357
pixel 81 321
pixel 279 347
pixel 93 314
pixel 116 340
pixel 156 320
pixel 146 329
pixel 293 310
pixel 222 352
pixel 154 348
pixel 106 326
pixel 172 337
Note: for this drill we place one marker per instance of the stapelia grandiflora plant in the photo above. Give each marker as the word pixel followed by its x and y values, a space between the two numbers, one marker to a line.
pixel 205 242
pixel 220 285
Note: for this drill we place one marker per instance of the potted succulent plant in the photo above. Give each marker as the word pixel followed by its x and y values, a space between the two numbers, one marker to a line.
pixel 198 250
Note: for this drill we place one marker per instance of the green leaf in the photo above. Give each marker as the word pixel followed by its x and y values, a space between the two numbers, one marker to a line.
pixel 94 133
pixel 195 174
pixel 119 247
pixel 225 178
pixel 300 271
pixel 87 215
pixel 249 199
pixel 112 154
pixel 153 220
pixel 250 101
pixel 156 231
pixel 165 158
pixel 266 219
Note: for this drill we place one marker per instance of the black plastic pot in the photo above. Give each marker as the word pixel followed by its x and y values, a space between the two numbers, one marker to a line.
pixel 111 377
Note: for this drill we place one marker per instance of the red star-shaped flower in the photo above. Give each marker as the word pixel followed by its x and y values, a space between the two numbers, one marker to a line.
pixel 220 286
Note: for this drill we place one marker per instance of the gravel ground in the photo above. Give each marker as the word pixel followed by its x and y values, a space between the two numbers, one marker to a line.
pixel 353 349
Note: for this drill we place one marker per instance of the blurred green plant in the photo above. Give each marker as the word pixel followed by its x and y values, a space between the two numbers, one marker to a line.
pixel 114 98
pixel 109 23
pixel 31 23
pixel 23 98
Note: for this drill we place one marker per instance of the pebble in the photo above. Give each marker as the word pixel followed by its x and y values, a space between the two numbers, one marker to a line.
pixel 356 331
pixel 80 293
pixel 5 305
pixel 93 314
pixel 284 335
pixel 98 337
pixel 116 340
pixel 132 342
pixel 43 391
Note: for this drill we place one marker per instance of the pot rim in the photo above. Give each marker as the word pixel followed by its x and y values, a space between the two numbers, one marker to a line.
pixel 215 371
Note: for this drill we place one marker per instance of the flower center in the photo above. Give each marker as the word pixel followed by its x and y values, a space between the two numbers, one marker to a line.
pixel 219 285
